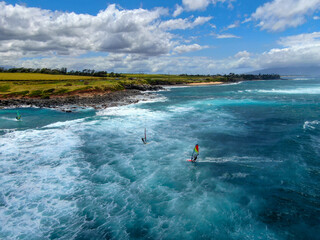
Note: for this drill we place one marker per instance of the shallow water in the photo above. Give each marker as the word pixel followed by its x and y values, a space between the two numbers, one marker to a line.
pixel 87 175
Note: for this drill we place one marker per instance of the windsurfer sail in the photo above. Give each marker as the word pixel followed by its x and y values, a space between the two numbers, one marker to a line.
pixel 144 140
pixel 195 153
pixel 18 117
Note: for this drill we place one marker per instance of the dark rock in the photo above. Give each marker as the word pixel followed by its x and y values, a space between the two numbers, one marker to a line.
pixel 97 101
pixel 144 87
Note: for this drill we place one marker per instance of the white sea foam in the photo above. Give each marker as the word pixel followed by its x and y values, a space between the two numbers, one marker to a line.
pixel 8 130
pixel 311 124
pixel 228 176
pixel 22 106
pixel 180 109
pixel 301 79
pixel 65 123
pixel 38 168
pixel 315 90
pixel 236 159
pixel 172 87
pixel 228 84
pixel 9 119
pixel 150 98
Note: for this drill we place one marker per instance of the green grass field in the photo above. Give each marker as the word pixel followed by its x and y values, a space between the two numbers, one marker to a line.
pixel 39 76
pixel 13 85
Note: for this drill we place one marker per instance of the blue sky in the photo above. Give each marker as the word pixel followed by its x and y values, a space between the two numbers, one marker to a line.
pixel 156 36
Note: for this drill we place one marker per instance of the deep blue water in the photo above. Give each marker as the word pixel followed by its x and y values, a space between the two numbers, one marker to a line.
pixel 87 175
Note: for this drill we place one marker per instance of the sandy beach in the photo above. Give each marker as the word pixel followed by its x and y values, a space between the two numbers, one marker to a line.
pixel 204 83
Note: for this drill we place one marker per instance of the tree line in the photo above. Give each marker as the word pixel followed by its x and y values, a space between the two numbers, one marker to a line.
pixel 90 72
pixel 61 71
pixel 238 77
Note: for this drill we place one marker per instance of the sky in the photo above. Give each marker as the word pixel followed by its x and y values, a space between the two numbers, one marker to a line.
pixel 157 36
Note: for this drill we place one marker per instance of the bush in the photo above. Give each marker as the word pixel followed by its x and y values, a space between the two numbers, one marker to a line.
pixel 36 93
pixel 51 90
pixel 61 91
pixel 4 88
pixel 45 97
pixel 68 85
pixel 22 93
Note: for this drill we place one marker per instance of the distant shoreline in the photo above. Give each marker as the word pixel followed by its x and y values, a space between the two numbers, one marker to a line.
pixel 204 83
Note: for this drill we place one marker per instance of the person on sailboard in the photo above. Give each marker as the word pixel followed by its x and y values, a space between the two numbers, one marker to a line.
pixel 144 140
pixel 18 117
pixel 195 153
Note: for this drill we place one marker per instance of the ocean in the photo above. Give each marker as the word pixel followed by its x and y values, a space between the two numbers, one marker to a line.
pixel 87 174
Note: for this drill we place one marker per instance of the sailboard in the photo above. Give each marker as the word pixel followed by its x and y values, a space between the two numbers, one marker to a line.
pixel 144 140
pixel 18 117
pixel 195 154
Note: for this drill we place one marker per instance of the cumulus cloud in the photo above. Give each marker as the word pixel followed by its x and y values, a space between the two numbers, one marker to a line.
pixel 34 32
pixel 185 23
pixel 192 5
pixel 134 63
pixel 133 40
pixel 316 18
pixel 227 35
pixel 279 15
pixel 196 4
pixel 243 54
pixel 178 10
pixel 304 40
pixel 234 25
pixel 297 50
pixel 188 48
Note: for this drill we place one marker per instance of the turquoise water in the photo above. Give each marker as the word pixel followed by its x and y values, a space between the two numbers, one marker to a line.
pixel 87 175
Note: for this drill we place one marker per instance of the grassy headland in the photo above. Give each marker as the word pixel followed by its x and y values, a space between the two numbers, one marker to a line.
pixel 37 85
pixel 15 85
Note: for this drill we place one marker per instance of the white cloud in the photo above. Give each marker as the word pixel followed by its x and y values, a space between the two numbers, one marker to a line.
pixel 234 25
pixel 133 39
pixel 281 14
pixel 246 20
pixel 301 41
pixel 316 18
pixel 188 48
pixel 193 5
pixel 227 35
pixel 242 54
pixel 196 4
pixel 298 50
pixel 181 23
pixel 134 63
pixel 33 32
pixel 178 10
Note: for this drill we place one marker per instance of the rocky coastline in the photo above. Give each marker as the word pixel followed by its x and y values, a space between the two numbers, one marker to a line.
pixel 95 100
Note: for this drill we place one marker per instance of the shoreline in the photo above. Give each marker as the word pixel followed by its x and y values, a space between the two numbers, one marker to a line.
pixel 66 103
pixel 93 99
pixel 204 83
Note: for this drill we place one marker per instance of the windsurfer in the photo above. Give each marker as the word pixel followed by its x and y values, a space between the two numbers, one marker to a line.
pixel 18 117
pixel 194 159
pixel 195 153
pixel 144 140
